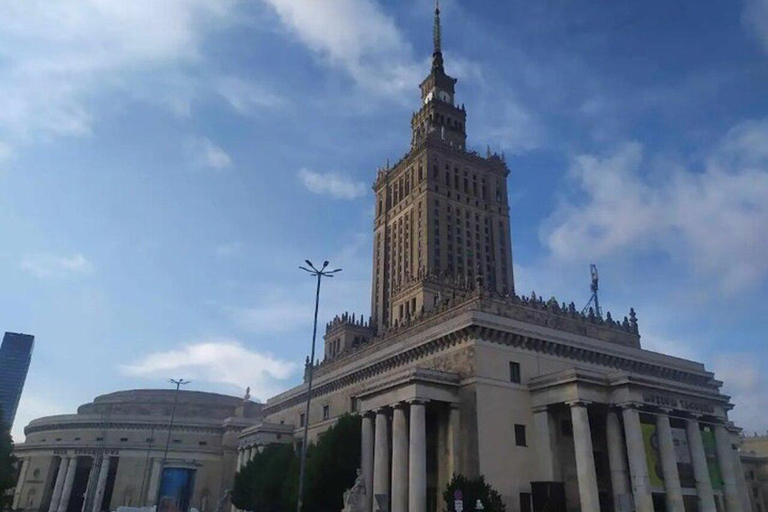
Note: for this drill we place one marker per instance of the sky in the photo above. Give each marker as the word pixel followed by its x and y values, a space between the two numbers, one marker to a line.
pixel 166 166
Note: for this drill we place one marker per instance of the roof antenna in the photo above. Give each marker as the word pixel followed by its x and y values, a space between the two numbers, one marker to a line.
pixel 593 298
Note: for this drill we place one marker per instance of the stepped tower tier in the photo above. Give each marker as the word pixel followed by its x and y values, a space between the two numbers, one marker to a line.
pixel 442 216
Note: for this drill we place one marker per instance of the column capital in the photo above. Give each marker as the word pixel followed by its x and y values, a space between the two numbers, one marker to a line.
pixel 578 403
pixel 540 408
pixel 400 405
pixel 417 401
pixel 630 405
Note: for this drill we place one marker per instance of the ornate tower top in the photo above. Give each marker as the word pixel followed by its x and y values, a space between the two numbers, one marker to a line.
pixel 437 54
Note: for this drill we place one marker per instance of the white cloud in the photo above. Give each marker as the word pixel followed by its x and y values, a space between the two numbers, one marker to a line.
pixel 335 185
pixel 56 54
pixel 51 265
pixel 208 154
pixel 715 220
pixel 221 361
pixel 32 406
pixel 755 18
pixel 746 382
pixel 246 96
pixel 356 36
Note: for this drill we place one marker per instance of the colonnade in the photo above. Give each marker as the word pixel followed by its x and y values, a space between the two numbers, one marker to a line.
pixel 65 479
pixel 398 480
pixel 245 454
pixel 629 474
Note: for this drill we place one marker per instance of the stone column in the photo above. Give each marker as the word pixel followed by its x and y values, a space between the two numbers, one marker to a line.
pixel 417 459
pixel 585 459
pixel 20 483
pixel 725 456
pixel 255 450
pixel 154 482
pixel 543 446
pixel 454 435
pixel 741 481
pixel 399 460
pixel 66 491
pixel 240 457
pixel 617 460
pixel 101 484
pixel 89 484
pixel 381 458
pixel 700 468
pixel 638 467
pixel 674 493
pixel 59 485
pixel 366 454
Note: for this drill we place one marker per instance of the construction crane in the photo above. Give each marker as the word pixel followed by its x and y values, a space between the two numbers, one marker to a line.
pixel 593 299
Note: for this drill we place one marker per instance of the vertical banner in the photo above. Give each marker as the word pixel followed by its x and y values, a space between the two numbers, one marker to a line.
pixel 708 439
pixel 176 489
pixel 651 441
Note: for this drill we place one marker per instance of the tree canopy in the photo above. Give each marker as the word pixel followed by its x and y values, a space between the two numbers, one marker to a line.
pixel 472 489
pixel 7 466
pixel 269 482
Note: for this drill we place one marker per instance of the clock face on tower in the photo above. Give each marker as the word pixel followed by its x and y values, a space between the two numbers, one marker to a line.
pixel 441 95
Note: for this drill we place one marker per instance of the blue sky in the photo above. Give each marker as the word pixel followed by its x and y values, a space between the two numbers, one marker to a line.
pixel 164 168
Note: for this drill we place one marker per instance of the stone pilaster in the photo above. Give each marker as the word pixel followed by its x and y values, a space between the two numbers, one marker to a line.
pixel 454 435
pixel 700 468
pixel 366 455
pixel 399 460
pixel 616 458
pixel 154 482
pixel 638 466
pixel 381 462
pixel 674 493
pixel 417 459
pixel 544 445
pixel 20 483
pixel 585 460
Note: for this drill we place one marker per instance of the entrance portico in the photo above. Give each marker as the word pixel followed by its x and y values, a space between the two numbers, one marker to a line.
pixel 409 439
pixel 662 444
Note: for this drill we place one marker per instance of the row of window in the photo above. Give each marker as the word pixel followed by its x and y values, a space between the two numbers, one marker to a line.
pixel 148 440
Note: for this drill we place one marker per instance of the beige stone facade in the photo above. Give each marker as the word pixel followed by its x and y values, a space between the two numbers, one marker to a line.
pixel 455 373
pixel 754 461
pixel 109 454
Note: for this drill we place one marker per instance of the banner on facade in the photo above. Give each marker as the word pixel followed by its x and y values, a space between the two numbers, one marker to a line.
pixel 708 439
pixel 683 457
pixel 651 442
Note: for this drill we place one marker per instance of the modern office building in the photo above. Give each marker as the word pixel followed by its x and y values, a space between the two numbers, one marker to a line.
pixel 15 356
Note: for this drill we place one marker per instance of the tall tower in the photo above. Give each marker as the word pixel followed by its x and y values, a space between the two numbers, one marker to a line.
pixel 442 216
pixel 15 356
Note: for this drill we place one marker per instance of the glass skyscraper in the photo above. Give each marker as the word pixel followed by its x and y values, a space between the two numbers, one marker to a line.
pixel 15 355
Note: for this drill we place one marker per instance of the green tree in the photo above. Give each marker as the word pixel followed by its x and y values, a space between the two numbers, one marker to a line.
pixel 472 489
pixel 269 483
pixel 264 484
pixel 332 465
pixel 7 466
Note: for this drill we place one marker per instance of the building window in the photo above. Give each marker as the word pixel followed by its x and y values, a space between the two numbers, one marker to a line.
pixel 520 435
pixel 525 502
pixel 326 412
pixel 301 420
pixel 123 439
pixel 202 443
pixel 514 372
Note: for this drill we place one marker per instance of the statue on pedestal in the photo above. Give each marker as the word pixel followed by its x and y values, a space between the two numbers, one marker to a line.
pixel 354 498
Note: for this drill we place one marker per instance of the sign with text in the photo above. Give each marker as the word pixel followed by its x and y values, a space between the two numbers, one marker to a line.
pixel 677 403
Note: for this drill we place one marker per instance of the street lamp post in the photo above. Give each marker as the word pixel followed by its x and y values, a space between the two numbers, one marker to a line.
pixel 178 383
pixel 310 370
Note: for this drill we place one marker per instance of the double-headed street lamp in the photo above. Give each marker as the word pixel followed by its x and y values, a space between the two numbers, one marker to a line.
pixel 178 383
pixel 320 274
